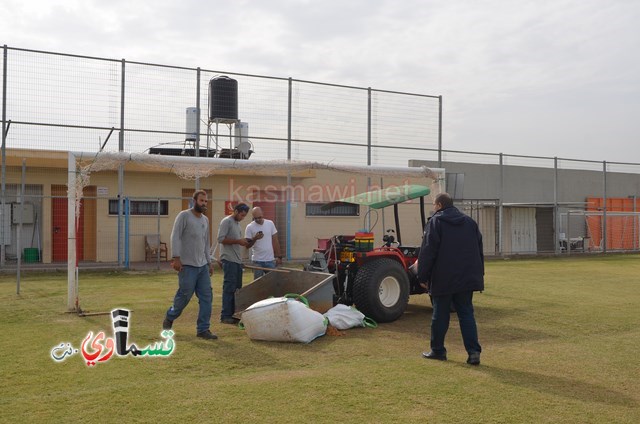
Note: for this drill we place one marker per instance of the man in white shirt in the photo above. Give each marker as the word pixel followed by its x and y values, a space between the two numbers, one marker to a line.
pixel 265 251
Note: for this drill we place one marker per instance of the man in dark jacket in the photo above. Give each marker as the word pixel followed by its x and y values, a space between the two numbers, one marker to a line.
pixel 451 268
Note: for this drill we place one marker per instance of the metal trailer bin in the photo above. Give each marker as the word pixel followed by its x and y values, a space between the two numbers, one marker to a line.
pixel 316 287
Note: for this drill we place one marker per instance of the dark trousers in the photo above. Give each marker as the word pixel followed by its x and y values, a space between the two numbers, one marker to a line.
pixel 463 303
pixel 231 282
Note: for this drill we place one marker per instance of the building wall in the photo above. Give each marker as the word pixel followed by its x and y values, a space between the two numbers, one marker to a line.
pixel 519 233
pixel 320 186
pixel 534 184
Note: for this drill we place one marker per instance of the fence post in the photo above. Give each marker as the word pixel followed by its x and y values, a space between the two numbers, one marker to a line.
pixel 198 124
pixel 500 207
pixel 20 221
pixel 568 237
pixel 369 149
pixel 635 224
pixel 288 193
pixel 126 232
pixel 604 207
pixel 121 169
pixel 289 107
pixel 439 131
pixel 369 129
pixel 556 215
pixel 158 231
pixel 4 156
pixel 72 264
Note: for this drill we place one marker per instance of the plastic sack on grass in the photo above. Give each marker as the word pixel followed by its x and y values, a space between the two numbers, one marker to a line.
pixel 283 319
pixel 344 317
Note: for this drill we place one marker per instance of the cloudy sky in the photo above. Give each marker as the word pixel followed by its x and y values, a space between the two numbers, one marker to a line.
pixel 549 78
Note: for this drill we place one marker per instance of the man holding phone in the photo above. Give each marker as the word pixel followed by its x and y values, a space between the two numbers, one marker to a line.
pixel 265 251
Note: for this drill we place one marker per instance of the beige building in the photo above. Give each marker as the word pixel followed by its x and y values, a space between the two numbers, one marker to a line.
pixel 155 196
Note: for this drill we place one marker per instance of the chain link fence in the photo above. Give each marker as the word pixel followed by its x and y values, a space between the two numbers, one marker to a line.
pixel 53 102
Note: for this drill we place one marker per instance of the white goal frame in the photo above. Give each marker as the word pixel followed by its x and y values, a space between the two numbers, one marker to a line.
pixel 82 164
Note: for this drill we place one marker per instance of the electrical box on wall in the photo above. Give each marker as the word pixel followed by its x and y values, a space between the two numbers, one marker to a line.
pixel 5 225
pixel 27 213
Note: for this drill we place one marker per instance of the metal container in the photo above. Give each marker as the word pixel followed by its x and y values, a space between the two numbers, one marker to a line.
pixel 31 254
pixel 316 287
pixel 191 129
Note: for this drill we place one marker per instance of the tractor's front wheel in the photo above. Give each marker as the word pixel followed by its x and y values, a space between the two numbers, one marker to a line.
pixel 381 290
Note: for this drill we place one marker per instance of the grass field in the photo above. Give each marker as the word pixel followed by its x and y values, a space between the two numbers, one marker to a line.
pixel 561 341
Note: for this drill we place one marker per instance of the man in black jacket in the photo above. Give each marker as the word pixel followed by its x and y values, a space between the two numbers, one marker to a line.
pixel 451 268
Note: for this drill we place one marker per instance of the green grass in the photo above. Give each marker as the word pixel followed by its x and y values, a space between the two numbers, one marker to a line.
pixel 561 340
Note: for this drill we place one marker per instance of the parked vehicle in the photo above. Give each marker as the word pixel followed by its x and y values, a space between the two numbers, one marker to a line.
pixel 377 280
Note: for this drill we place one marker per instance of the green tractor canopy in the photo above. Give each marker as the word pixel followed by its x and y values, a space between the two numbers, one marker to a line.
pixel 378 199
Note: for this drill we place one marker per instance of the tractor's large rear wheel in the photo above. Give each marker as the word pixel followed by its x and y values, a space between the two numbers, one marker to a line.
pixel 381 290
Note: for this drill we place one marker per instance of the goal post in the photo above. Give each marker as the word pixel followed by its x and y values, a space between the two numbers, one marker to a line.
pixel 81 165
pixel 622 229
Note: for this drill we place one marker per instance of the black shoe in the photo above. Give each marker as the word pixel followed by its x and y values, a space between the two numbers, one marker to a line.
pixel 208 335
pixel 167 324
pixel 432 355
pixel 474 359
pixel 230 320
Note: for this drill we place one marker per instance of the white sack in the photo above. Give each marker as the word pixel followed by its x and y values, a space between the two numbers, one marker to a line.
pixel 282 319
pixel 344 317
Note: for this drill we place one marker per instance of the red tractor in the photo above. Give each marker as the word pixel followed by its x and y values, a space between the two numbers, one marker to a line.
pixel 377 280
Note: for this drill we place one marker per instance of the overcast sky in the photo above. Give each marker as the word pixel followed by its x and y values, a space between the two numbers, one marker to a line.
pixel 549 78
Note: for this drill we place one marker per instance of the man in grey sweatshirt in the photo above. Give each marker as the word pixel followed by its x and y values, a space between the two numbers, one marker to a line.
pixel 232 246
pixel 190 250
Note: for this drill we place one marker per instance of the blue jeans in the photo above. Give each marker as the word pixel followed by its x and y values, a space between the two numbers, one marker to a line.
pixel 193 279
pixel 463 303
pixel 231 282
pixel 258 272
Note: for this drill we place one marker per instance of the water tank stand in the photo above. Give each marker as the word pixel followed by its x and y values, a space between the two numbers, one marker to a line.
pixel 218 121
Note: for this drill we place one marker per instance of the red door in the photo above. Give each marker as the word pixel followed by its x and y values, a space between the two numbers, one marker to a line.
pixel 268 209
pixel 59 226
pixel 275 210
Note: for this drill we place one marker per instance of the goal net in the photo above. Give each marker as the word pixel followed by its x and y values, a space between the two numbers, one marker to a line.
pixel 84 168
pixel 621 232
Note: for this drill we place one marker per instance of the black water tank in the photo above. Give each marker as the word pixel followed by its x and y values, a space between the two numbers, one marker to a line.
pixel 223 99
